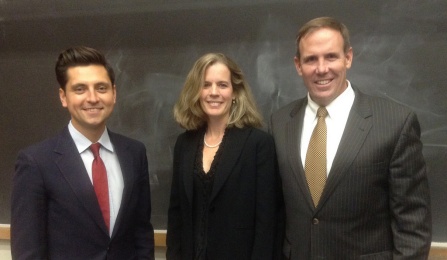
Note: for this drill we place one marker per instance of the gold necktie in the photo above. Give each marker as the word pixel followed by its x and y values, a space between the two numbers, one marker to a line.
pixel 315 167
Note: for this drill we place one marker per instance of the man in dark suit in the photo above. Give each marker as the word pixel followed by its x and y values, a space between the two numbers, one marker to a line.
pixel 372 200
pixel 68 202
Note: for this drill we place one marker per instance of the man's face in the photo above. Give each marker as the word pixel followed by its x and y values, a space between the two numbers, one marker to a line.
pixel 89 96
pixel 323 64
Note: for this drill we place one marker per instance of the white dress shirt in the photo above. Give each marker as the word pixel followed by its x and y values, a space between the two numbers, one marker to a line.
pixel 338 112
pixel 111 162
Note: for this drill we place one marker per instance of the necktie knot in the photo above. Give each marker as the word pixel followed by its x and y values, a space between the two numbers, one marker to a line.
pixel 95 149
pixel 322 112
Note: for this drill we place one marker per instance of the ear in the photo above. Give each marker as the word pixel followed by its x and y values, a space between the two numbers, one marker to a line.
pixel 114 93
pixel 62 97
pixel 298 65
pixel 349 56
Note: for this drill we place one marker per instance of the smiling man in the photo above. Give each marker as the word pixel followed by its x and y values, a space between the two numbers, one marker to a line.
pixel 85 193
pixel 353 175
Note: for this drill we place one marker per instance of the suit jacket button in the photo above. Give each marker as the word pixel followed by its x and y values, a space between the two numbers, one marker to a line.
pixel 315 221
pixel 212 209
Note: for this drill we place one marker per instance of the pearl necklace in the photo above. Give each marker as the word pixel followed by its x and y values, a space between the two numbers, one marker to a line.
pixel 210 146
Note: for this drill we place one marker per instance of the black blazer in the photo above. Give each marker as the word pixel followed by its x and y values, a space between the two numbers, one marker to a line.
pixel 244 202
pixel 376 202
pixel 55 213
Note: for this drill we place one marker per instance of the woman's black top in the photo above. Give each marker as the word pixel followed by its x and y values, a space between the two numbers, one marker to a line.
pixel 203 187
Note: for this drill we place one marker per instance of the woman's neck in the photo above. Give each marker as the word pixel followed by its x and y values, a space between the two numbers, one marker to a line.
pixel 215 129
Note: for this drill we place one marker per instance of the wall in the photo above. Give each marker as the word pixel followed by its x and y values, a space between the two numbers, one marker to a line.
pixel 5 251
pixel 400 52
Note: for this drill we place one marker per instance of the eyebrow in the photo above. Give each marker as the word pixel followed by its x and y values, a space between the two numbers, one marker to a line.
pixel 220 81
pixel 101 83
pixel 78 85
pixel 325 55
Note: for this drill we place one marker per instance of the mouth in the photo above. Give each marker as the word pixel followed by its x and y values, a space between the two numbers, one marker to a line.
pixel 323 82
pixel 93 109
pixel 214 103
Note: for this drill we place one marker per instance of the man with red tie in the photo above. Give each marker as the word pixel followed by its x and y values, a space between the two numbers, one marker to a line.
pixel 83 194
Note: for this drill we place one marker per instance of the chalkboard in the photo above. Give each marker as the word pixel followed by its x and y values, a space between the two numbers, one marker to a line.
pixel 400 52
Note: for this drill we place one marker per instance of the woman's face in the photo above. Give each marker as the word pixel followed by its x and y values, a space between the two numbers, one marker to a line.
pixel 217 92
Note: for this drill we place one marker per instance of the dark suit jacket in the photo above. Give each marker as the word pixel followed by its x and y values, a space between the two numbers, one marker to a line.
pixel 375 204
pixel 244 202
pixel 55 213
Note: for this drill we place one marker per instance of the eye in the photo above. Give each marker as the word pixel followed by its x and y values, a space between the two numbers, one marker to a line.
pixel 102 88
pixel 332 56
pixel 78 89
pixel 206 84
pixel 310 59
pixel 223 84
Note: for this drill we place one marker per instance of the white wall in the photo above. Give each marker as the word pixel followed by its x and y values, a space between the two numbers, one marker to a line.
pixel 5 251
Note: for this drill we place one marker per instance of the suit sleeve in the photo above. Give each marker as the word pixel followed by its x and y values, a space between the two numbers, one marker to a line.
pixel 173 239
pixel 144 232
pixel 28 211
pixel 409 195
pixel 268 200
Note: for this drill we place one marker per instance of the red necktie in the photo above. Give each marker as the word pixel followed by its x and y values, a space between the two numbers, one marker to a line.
pixel 100 183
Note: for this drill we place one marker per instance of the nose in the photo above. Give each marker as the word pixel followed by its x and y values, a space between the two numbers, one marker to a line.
pixel 92 96
pixel 322 67
pixel 214 90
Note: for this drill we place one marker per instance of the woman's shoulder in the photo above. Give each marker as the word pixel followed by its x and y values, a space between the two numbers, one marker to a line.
pixel 256 134
pixel 189 135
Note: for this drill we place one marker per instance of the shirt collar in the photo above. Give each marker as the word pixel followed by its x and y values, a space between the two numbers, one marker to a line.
pixel 82 143
pixel 339 104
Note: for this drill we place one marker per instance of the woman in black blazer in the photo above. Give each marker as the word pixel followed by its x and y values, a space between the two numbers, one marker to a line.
pixel 225 195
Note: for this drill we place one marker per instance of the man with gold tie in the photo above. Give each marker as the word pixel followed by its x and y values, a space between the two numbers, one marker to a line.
pixel 353 175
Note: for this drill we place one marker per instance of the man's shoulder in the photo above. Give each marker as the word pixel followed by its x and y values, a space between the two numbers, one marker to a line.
pixel 383 103
pixel 120 139
pixel 44 146
pixel 289 109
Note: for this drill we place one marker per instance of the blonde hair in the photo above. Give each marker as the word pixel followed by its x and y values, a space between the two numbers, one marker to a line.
pixel 190 115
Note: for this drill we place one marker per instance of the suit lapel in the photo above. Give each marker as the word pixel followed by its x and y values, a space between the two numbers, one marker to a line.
pixel 73 170
pixel 188 162
pixel 125 160
pixel 294 129
pixel 234 143
pixel 356 130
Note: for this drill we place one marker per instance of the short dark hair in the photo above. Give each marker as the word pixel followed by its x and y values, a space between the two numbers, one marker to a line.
pixel 323 22
pixel 80 56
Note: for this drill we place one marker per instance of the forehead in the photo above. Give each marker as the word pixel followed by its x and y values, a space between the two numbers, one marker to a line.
pixel 88 73
pixel 321 39
pixel 217 69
